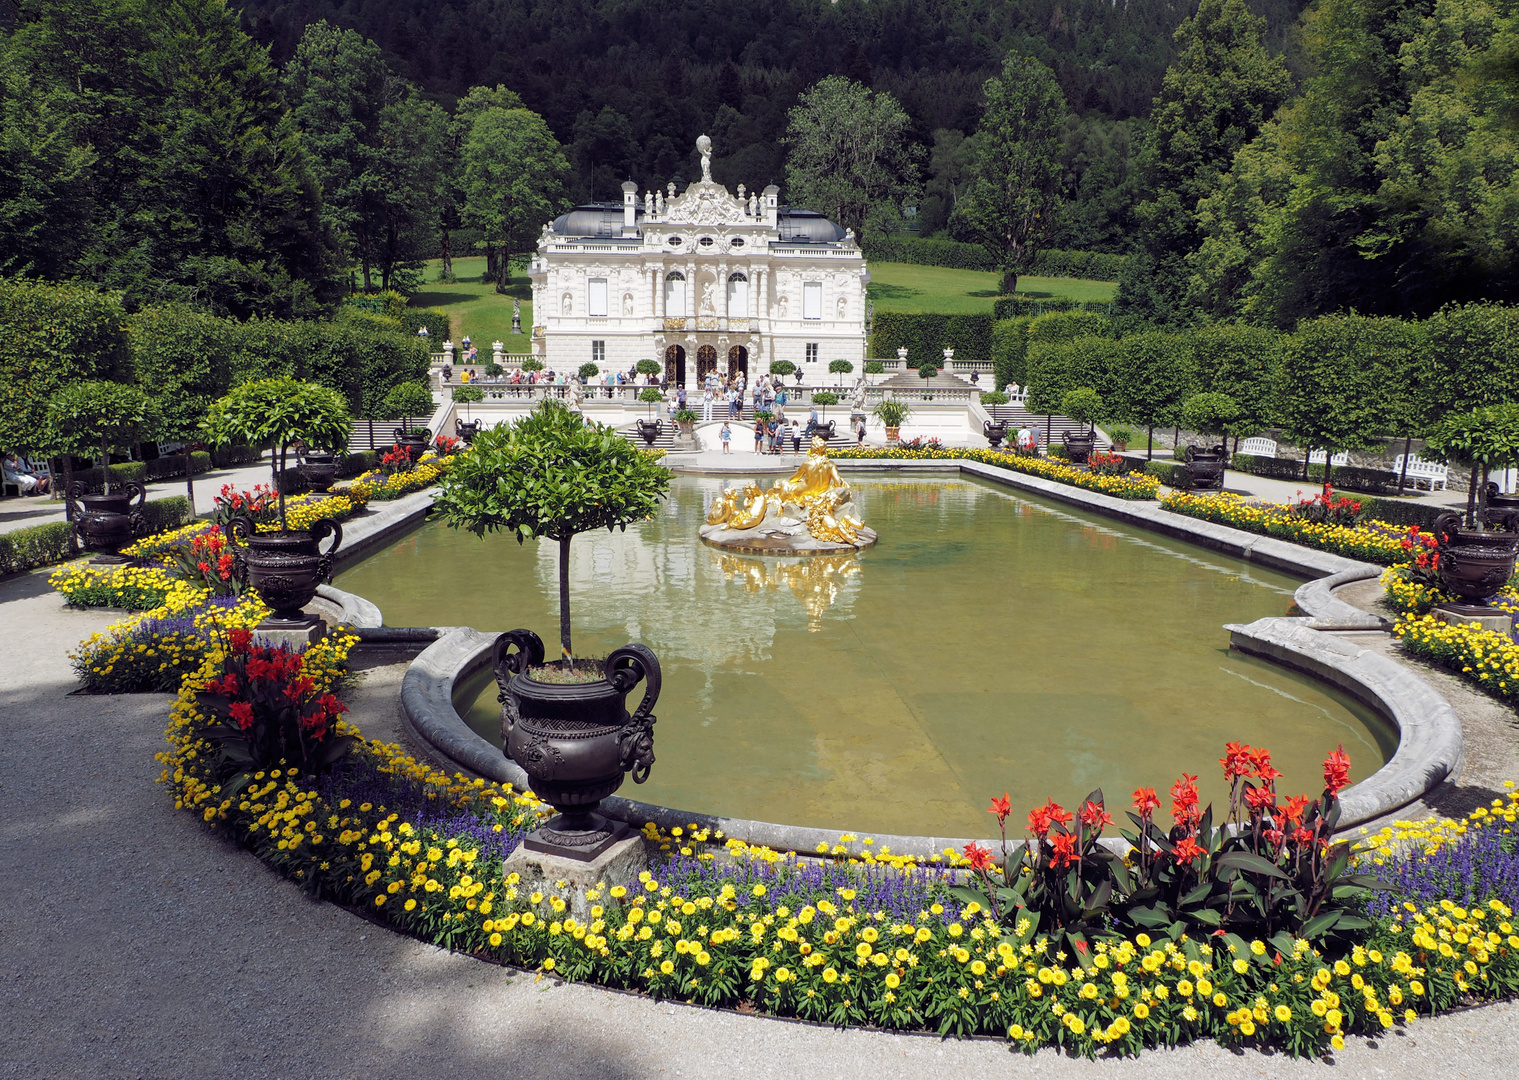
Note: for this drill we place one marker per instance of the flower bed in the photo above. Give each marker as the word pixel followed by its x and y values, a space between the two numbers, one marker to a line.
pixel 378 485
pixel 1128 486
pixel 1375 542
pixel 134 588
pixel 840 941
pixel 1486 658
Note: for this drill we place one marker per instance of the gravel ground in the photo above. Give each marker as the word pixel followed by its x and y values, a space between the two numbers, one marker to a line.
pixel 134 944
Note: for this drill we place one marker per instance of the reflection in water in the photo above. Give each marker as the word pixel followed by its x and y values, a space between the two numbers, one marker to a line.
pixel 988 642
pixel 818 581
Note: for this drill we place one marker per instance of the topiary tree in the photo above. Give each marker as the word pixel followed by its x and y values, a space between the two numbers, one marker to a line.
pixel 532 363
pixel 647 367
pixel 97 413
pixel 782 367
pixel 588 372
pixel 1209 413
pixel 553 475
pixel 467 394
pixel 840 368
pixel 278 412
pixel 1083 405
pixel 927 370
pixel 409 400
pixel 493 369
pixel 1482 439
pixel 874 367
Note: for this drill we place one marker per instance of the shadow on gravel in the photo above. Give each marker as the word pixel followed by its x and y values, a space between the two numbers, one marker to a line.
pixel 24 586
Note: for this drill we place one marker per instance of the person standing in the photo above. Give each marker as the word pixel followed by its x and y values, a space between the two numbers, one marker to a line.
pixel 726 434
pixel 706 404
pixel 796 437
pixel 759 434
pixel 860 434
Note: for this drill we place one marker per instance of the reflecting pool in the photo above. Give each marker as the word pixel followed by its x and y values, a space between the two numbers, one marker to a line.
pixel 989 642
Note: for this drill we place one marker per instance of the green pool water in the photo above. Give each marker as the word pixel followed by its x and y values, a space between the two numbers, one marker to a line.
pixel 989 642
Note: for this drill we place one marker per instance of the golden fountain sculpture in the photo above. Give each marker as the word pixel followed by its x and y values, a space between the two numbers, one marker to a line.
pixel 811 513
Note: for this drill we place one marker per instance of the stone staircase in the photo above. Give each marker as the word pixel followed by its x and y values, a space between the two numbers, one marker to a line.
pixel 1017 416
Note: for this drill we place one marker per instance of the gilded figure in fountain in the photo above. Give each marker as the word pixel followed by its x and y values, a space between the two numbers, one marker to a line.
pixel 810 513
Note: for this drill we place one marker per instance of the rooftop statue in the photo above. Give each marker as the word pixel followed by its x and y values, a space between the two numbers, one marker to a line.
pixel 704 147
pixel 810 513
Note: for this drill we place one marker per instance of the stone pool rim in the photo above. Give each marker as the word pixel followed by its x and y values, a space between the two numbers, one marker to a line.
pixel 1430 744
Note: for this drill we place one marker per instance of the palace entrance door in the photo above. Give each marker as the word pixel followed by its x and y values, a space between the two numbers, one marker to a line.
pixel 738 360
pixel 675 365
pixel 706 361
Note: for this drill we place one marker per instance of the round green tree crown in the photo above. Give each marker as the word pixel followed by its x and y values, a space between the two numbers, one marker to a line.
pixel 84 414
pixel 409 399
pixel 551 474
pixel 279 412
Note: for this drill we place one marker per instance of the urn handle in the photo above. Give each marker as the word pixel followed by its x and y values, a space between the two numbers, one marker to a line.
pixel 400 434
pixel 507 664
pixel 1446 527
pixel 625 667
pixel 322 528
pixel 140 491
pixel 238 528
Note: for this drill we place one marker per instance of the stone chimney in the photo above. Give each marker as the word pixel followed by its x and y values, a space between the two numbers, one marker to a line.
pixel 629 208
pixel 770 205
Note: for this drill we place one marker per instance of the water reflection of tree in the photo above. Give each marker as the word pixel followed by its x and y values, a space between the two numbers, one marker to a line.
pixel 816 581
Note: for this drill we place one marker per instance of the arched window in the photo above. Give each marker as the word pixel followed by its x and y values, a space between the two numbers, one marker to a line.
pixel 675 294
pixel 738 296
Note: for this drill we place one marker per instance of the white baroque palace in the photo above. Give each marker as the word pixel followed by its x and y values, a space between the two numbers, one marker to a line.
pixel 700 281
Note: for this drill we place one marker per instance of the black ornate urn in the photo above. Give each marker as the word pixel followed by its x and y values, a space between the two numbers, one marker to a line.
pixel 576 740
pixel 1078 444
pixel 106 523
pixel 413 444
pixel 284 568
pixel 1205 465
pixel 318 468
pixel 996 431
pixel 466 430
pixel 649 430
pixel 1495 504
pixel 1475 565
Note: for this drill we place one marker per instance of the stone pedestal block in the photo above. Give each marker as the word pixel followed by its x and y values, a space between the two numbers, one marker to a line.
pixel 619 864
pixel 1474 615
pixel 292 633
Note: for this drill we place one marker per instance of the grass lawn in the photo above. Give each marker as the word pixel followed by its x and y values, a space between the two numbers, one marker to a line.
pixel 910 288
pixel 476 309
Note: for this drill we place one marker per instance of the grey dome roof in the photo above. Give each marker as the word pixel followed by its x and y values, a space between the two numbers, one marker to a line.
pixel 593 219
pixel 797 223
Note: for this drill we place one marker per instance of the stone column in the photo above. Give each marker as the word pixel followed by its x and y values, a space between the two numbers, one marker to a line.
pixel 691 294
pixel 722 293
pixel 657 306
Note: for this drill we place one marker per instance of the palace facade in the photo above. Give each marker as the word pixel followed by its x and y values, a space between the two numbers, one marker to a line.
pixel 701 281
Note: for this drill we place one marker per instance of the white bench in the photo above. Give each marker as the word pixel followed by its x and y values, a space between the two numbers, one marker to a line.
pixel 1317 458
pixel 1258 447
pixel 1430 472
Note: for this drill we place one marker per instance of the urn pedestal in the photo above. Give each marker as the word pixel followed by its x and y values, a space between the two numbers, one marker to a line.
pixel 107 523
pixel 284 568
pixel 575 740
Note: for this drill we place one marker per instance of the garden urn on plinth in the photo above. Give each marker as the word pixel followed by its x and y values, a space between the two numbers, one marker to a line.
pixel 318 468
pixel 466 429
pixel 1205 465
pixel 1474 565
pixel 1078 444
pixel 107 523
pixel 414 442
pixel 284 568
pixel 995 431
pixel 1495 504
pixel 570 730
pixel 649 430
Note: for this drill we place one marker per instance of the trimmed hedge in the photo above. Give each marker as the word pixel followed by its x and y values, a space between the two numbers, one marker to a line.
pixel 121 473
pixel 1010 307
pixel 927 335
pixel 1349 477
pixel 42 545
pixel 229 456
pixel 954 255
pixel 1171 473
pixel 1399 512
pixel 167 466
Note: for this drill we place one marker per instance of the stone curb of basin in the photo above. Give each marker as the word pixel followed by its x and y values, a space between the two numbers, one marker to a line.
pixel 1430 741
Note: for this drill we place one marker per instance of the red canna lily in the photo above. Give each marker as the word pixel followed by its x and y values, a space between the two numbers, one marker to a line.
pixel 1336 770
pixel 1002 807
pixel 1184 810
pixel 1187 849
pixel 980 858
pixel 1066 850
pixel 1146 801
pixel 1093 816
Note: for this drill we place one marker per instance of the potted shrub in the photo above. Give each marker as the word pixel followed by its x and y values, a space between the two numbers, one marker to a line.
pixel 1121 436
pixel 286 566
pixel 108 415
pixel 685 420
pixel 1082 405
pixel 467 395
pixel 407 401
pixel 552 475
pixel 891 413
pixel 588 371
pixel 783 368
pixel 1209 414
pixel 650 429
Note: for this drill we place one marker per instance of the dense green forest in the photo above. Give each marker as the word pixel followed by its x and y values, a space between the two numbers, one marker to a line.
pixel 627 86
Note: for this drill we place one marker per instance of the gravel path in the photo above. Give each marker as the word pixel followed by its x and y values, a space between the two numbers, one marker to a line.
pixel 133 944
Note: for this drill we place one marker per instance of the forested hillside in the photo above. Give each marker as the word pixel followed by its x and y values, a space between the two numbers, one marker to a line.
pixel 627 85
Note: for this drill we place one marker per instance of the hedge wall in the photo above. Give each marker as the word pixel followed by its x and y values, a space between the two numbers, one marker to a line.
pixel 928 335
pixel 1008 307
pixel 1349 477
pixel 1096 265
pixel 41 545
